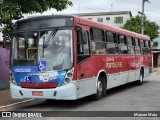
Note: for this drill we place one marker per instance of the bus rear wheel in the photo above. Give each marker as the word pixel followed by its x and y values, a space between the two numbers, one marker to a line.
pixel 140 81
pixel 101 91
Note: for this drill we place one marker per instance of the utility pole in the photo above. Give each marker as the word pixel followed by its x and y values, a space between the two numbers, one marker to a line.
pixel 142 19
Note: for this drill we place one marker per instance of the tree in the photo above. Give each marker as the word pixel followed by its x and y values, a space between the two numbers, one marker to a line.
pixel 150 28
pixel 14 9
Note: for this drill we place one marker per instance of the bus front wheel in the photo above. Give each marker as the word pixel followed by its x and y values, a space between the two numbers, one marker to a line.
pixel 101 91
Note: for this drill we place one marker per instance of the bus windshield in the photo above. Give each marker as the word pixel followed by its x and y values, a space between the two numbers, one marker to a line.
pixel 53 46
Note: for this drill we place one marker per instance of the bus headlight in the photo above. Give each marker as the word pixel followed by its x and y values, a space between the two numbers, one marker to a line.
pixel 12 80
pixel 68 77
pixel 67 80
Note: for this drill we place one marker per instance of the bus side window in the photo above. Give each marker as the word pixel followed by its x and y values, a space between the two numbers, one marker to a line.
pixel 83 51
pixel 143 51
pixel 130 45
pixel 149 45
pixel 85 42
pixel 98 42
pixel 111 39
pixel 79 44
pixel 137 47
pixel 91 34
pixel 147 48
pixel 92 41
pixel 122 44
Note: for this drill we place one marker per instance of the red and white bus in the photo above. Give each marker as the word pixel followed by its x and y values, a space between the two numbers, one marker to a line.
pixel 67 58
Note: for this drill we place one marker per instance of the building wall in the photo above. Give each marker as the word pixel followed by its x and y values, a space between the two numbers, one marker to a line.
pixel 4 66
pixel 156 43
pixel 156 51
pixel 159 35
pixel 112 19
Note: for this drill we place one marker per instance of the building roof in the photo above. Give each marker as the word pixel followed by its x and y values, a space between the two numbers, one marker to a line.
pixel 104 13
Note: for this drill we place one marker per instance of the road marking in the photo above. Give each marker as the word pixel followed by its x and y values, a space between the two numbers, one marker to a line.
pixel 16 103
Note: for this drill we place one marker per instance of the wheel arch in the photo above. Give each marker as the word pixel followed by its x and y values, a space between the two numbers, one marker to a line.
pixel 104 74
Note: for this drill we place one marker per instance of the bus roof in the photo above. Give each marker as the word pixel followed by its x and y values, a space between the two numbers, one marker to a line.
pixel 45 16
pixel 94 24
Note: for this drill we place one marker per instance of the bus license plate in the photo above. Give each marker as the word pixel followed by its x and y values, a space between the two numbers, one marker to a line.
pixel 37 93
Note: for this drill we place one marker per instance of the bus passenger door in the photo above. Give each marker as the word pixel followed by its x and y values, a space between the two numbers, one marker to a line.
pixel 85 81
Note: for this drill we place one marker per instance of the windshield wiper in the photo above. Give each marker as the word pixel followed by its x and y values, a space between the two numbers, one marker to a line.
pixel 50 38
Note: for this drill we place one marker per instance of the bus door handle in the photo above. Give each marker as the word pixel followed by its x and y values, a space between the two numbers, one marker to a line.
pixel 82 75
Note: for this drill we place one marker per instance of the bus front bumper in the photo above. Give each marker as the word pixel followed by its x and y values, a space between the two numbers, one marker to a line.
pixel 66 92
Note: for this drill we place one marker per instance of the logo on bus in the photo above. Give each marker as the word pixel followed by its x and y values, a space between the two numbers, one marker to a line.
pixel 111 63
pixel 42 65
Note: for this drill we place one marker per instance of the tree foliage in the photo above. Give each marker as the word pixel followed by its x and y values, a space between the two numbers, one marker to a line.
pixel 150 28
pixel 14 9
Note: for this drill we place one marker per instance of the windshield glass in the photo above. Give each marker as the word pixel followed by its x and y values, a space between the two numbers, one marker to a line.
pixel 56 51
pixel 53 46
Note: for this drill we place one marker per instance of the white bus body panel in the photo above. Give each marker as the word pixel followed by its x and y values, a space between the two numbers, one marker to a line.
pixel 66 92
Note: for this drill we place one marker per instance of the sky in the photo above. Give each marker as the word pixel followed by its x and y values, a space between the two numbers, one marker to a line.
pixel 151 9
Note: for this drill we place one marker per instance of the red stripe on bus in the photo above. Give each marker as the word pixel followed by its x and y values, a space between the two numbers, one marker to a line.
pixel 38 85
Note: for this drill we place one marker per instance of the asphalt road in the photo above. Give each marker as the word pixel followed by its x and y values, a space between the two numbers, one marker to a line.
pixel 128 97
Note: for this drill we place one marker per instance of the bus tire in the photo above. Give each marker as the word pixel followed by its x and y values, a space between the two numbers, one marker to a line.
pixel 140 81
pixel 101 88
